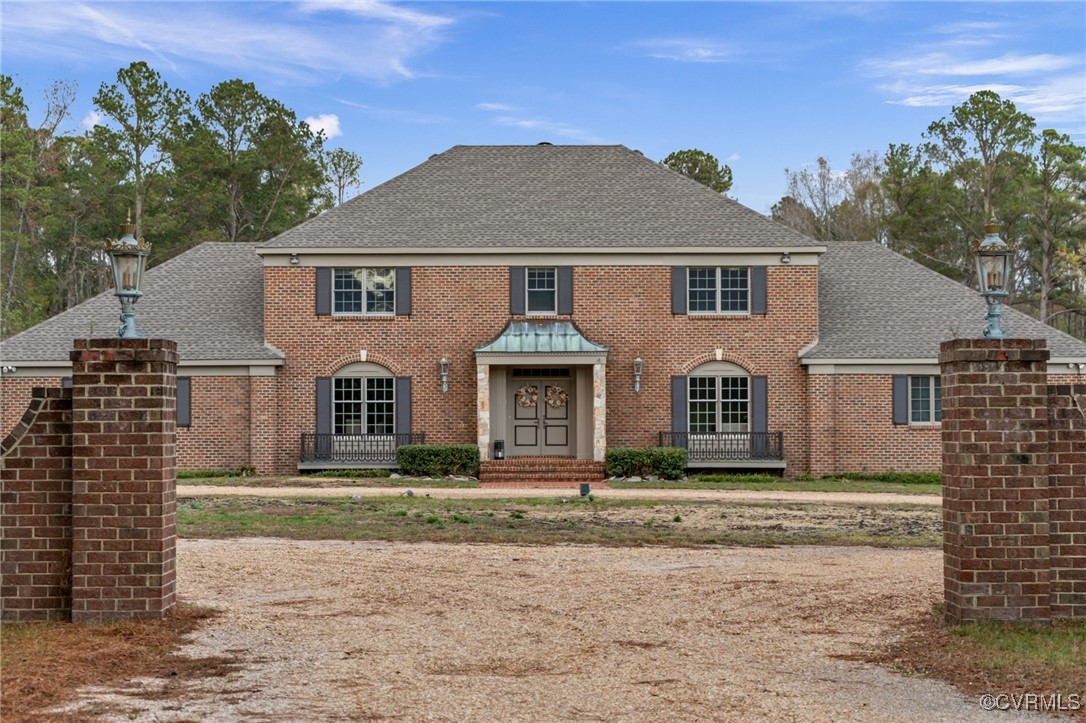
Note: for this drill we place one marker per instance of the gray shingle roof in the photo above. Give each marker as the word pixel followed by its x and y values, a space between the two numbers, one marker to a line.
pixel 209 300
pixel 540 196
pixel 875 303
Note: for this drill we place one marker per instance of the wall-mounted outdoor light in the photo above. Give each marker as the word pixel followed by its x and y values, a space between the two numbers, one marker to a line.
pixel 443 365
pixel 7 370
pixel 128 257
pixel 638 368
pixel 993 262
pixel 294 260
pixel 786 258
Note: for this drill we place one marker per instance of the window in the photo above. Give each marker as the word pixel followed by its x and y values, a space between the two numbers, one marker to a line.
pixel 925 399
pixel 542 290
pixel 719 404
pixel 364 291
pixel 718 290
pixel 363 405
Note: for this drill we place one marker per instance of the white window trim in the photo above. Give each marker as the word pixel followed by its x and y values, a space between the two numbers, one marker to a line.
pixel 367 270
pixel 527 292
pixel 365 402
pixel 718 402
pixel 933 421
pixel 718 311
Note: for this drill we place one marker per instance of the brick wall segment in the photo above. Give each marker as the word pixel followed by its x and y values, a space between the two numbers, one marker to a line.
pixel 123 479
pixel 995 478
pixel 457 309
pixel 36 511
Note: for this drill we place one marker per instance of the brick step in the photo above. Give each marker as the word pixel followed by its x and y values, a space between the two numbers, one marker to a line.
pixel 533 484
pixel 556 472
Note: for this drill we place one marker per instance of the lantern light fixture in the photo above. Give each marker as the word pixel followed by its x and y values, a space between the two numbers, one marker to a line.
pixel 993 271
pixel 638 368
pixel 128 259
pixel 443 365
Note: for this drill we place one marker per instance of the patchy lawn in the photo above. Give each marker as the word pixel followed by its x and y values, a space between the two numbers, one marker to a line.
pixel 768 483
pixel 560 520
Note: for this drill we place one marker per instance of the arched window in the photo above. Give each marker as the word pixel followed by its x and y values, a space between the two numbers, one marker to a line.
pixel 719 399
pixel 363 400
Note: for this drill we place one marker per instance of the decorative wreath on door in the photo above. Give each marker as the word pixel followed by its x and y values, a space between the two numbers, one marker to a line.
pixel 527 396
pixel 557 397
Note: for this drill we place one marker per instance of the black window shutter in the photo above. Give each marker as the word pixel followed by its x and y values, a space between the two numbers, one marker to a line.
pixel 517 299
pixel 757 290
pixel 184 401
pixel 565 289
pixel 324 405
pixel 679 415
pixel 324 291
pixel 403 291
pixel 901 399
pixel 678 289
pixel 759 404
pixel 403 405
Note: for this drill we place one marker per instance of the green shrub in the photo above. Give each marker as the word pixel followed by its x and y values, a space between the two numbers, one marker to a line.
pixel 421 460
pixel 908 478
pixel 200 473
pixel 352 473
pixel 665 462
pixel 758 478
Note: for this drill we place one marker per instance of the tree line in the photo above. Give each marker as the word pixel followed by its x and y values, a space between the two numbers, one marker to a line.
pixel 231 165
pixel 930 201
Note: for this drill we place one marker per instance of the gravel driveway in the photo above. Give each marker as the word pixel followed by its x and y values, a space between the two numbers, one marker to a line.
pixel 340 630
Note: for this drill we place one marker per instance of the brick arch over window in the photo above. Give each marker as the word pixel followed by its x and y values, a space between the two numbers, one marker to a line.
pixel 379 359
pixel 737 359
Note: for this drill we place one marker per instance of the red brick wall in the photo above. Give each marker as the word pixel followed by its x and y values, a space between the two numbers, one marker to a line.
pixel 456 309
pixel 1067 498
pixel 862 436
pixel 995 480
pixel 15 394
pixel 218 437
pixel 123 478
pixel 36 511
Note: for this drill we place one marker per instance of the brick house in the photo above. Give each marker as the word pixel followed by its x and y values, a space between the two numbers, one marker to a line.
pixel 544 301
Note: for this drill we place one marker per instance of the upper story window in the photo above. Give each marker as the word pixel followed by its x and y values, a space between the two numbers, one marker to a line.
pixel 718 290
pixel 364 291
pixel 925 399
pixel 542 289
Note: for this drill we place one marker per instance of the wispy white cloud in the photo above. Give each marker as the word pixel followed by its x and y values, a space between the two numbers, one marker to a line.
pixel 946 64
pixel 499 107
pixel 963 59
pixel 326 122
pixel 375 42
pixel 395 114
pixel 734 157
pixel 563 130
pixel 688 50
pixel 378 11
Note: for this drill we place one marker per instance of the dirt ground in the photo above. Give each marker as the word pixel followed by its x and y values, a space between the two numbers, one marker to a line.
pixel 360 631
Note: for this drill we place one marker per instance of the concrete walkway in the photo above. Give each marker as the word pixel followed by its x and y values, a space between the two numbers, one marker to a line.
pixel 850 498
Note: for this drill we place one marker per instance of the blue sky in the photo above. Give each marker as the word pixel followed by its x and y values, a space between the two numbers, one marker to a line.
pixel 763 86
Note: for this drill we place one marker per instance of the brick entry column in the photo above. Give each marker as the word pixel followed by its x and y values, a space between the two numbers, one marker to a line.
pixel 124 413
pixel 995 480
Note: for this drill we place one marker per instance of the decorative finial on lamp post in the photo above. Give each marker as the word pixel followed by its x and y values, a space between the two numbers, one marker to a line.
pixel 993 270
pixel 128 258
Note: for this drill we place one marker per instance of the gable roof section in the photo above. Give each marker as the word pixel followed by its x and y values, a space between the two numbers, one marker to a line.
pixel 209 300
pixel 546 196
pixel 876 304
